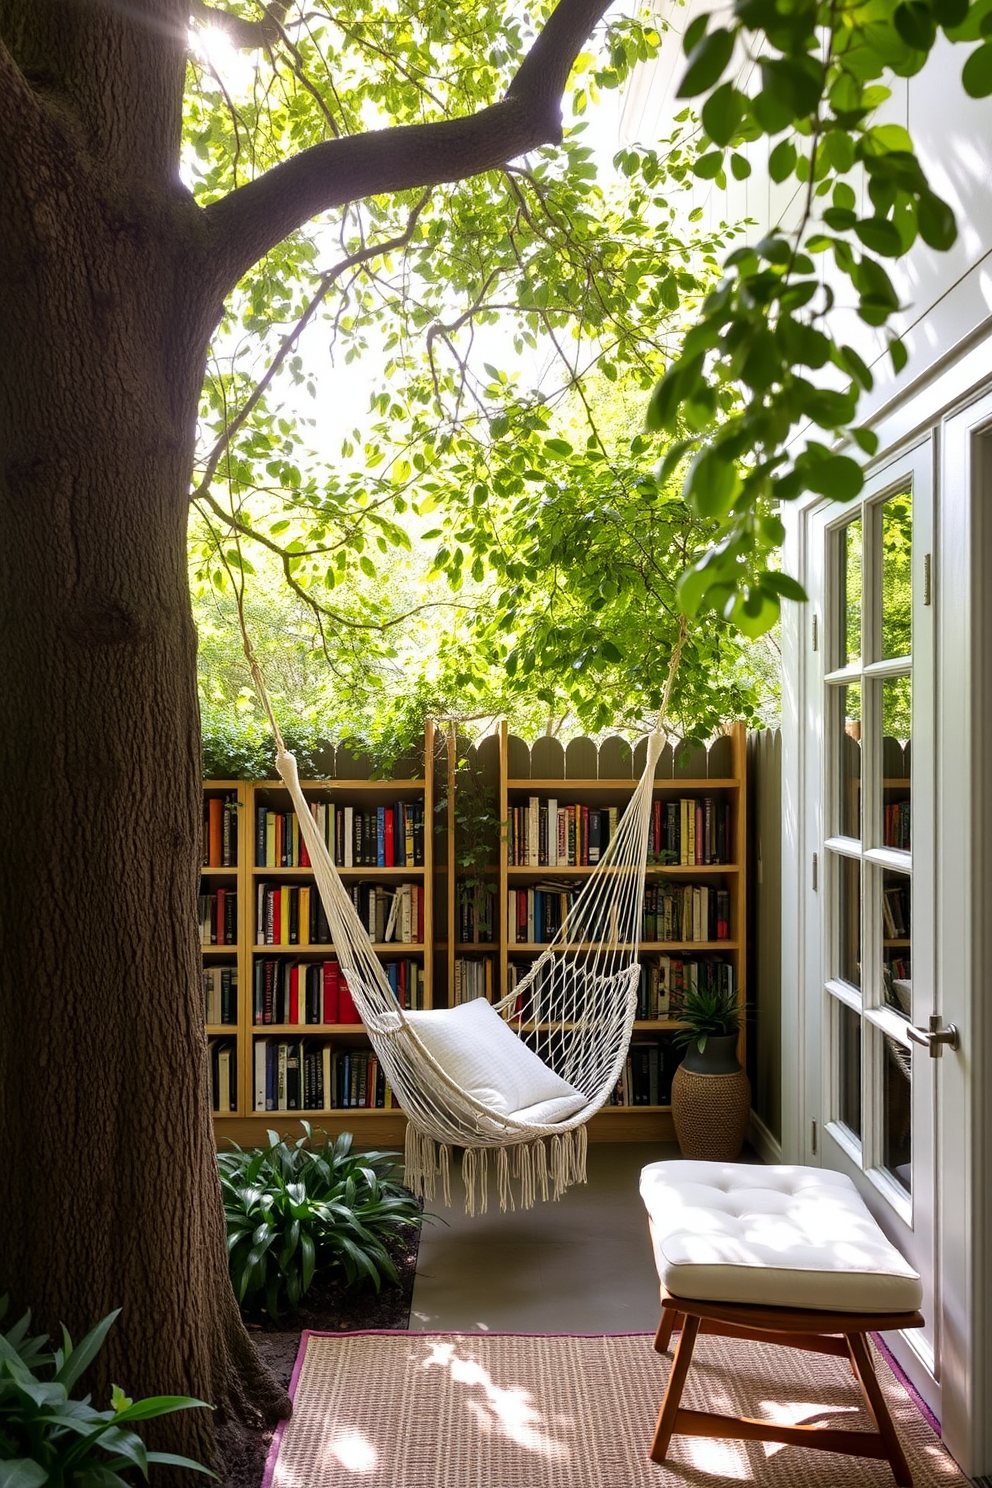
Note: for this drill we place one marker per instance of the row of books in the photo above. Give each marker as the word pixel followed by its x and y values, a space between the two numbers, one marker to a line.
pixel 473 978
pixel 895 911
pixel 683 832
pixel 287 991
pixel 312 1075
pixel 222 1074
pixel 292 914
pixel 477 914
pixel 672 912
pixel 218 913
pixel 220 994
pixel 686 912
pixel 896 825
pixel 694 830
pixel 307 992
pixel 664 981
pixel 220 831
pixel 379 837
pixel 647 1074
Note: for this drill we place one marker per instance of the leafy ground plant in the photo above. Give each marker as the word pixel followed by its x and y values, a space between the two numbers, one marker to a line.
pixel 47 1437
pixel 293 1207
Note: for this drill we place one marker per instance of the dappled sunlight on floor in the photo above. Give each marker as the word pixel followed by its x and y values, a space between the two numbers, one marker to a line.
pixel 354 1452
pixel 510 1411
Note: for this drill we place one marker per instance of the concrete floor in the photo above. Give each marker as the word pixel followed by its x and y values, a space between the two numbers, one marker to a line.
pixel 582 1265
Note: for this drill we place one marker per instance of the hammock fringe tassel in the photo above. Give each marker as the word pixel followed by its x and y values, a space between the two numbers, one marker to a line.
pixel 543 1169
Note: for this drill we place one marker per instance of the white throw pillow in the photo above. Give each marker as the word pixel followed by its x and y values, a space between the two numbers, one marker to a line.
pixel 486 1059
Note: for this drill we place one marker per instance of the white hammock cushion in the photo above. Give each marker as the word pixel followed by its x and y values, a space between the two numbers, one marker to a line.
pixel 482 1055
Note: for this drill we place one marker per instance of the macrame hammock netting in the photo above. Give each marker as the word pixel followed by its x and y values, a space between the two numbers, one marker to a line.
pixel 576 1004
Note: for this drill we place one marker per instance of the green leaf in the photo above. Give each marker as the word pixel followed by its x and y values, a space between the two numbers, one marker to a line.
pixel 668 291
pixel 915 23
pixel 935 218
pixel 949 13
pixel 762 363
pixel 711 483
pixel 976 74
pixel 802 343
pixel 853 363
pixel 880 235
pixel 79 1358
pixel 783 584
pixel 22 1472
pixel 782 160
pixel 740 167
pixel 708 166
pixel 722 113
pixel 796 85
pixel 707 60
pixel 838 477
pixel 691 589
pixel 866 439
pixel 172 1459
pixel 899 355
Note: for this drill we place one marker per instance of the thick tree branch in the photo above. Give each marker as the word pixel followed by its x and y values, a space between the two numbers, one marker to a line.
pixel 252 219
pixel 290 340
pixel 247 34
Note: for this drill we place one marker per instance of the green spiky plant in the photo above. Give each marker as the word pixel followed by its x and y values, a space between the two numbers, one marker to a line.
pixel 292 1207
pixel 707 1012
pixel 49 1438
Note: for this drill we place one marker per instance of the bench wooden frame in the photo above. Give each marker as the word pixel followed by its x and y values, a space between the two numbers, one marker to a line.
pixel 819 1331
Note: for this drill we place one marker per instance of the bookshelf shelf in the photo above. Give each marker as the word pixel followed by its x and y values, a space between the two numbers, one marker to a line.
pixel 462 881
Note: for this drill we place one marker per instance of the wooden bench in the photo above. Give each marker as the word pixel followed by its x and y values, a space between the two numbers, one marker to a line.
pixel 785 1255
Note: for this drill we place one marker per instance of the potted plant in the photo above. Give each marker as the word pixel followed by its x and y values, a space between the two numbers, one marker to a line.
pixel 711 1094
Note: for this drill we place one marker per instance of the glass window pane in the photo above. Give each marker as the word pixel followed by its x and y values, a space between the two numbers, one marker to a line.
pixel 848 1036
pixel 849 762
pixel 849 593
pixel 848 961
pixel 897 576
pixel 897 1123
pixel 897 970
pixel 897 728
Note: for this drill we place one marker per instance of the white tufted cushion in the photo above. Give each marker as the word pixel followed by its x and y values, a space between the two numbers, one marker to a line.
pixel 772 1236
pixel 486 1059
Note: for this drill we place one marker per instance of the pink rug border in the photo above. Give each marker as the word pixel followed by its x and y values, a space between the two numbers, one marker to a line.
pixel 273 1453
pixel 907 1385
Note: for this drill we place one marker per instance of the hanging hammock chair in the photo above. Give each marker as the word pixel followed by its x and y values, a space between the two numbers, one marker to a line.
pixel 463 1077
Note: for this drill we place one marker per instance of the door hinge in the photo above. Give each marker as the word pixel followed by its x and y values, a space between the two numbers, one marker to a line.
pixel 816 633
pixel 812 1138
pixel 816 873
pixel 927 580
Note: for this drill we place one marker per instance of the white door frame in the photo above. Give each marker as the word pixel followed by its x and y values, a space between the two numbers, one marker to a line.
pixel 958 414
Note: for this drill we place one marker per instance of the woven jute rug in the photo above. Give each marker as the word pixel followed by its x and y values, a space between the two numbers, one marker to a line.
pixel 486 1410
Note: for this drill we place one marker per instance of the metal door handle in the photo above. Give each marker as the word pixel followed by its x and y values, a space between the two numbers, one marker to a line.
pixel 934 1037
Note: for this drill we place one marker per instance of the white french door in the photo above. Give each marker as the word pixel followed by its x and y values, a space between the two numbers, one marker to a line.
pixel 870 782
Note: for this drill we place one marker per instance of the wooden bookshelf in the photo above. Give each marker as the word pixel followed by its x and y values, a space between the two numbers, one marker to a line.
pixel 295 956
pixel 463 905
pixel 601 778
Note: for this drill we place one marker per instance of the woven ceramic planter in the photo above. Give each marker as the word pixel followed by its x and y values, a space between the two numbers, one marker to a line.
pixel 711 1102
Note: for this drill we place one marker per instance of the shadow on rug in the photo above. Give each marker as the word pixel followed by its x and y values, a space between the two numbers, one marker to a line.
pixel 518 1411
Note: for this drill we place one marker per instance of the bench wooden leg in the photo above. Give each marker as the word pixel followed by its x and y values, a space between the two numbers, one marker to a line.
pixel 673 1394
pixel 670 1321
pixel 863 1367
pixel 824 1332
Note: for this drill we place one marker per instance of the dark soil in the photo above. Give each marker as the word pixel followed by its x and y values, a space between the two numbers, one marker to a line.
pixel 328 1307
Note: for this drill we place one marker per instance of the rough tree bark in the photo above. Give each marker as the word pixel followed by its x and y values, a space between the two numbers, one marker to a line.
pixel 111 282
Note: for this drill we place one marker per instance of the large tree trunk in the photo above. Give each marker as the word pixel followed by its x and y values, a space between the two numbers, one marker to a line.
pixel 108 1182
pixel 111 282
